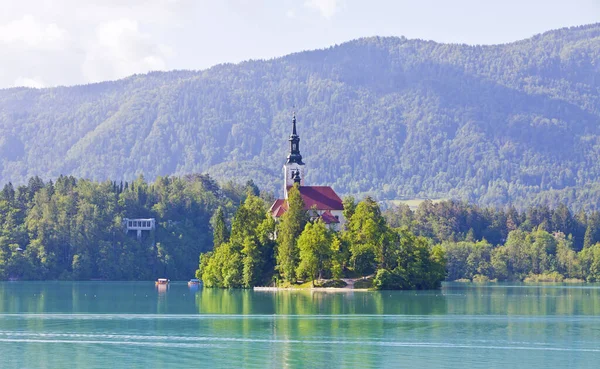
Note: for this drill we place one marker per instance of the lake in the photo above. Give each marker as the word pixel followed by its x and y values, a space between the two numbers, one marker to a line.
pixel 135 325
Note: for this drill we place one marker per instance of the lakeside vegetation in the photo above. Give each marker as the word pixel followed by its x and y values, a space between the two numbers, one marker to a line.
pixel 540 244
pixel 258 251
pixel 72 229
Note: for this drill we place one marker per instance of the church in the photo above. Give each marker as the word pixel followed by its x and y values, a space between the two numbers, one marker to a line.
pixel 320 201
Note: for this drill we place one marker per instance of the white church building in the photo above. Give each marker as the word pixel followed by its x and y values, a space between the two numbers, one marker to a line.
pixel 320 201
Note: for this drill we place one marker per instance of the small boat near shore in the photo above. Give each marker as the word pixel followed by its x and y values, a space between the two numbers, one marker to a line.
pixel 161 282
pixel 194 282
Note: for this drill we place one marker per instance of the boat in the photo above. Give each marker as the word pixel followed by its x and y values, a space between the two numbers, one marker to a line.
pixel 194 282
pixel 161 282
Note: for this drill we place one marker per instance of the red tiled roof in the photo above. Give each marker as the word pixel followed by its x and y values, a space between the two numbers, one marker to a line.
pixel 329 218
pixel 276 205
pixel 321 197
pixel 278 208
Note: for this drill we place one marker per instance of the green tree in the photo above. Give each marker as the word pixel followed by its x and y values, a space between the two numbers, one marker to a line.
pixel 220 231
pixel 590 262
pixel 252 263
pixel 290 227
pixel 314 246
pixel 368 236
pixel 349 207
pixel 337 257
pixel 416 266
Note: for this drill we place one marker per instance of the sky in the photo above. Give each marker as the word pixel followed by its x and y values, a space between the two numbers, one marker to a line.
pixel 46 43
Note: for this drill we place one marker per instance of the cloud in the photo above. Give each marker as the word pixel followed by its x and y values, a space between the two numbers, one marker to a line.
pixel 29 82
pixel 30 33
pixel 65 42
pixel 327 8
pixel 120 49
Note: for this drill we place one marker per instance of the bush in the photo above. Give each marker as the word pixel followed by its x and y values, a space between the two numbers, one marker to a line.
pixel 363 283
pixel 386 280
pixel 336 283
pixel 478 278
pixel 544 277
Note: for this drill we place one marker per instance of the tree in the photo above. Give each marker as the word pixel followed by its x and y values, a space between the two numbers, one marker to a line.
pixel 247 219
pixel 337 258
pixel 566 258
pixel 252 263
pixel 349 207
pixel 314 246
pixel 416 266
pixel 590 262
pixel 368 236
pixel 220 231
pixel 252 188
pixel 290 227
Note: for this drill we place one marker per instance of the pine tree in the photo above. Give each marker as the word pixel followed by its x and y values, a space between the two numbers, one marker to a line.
pixel 220 231
pixel 349 207
pixel 337 258
pixel 591 232
pixel 291 226
pixel 252 263
pixel 588 238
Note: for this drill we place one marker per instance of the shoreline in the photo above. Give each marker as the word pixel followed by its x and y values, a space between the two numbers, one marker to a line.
pixel 312 289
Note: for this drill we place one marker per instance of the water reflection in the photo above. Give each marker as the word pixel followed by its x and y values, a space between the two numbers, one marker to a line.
pixel 454 298
pixel 213 301
pixel 137 325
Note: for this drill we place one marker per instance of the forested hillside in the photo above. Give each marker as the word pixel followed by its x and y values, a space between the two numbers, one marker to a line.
pixel 72 228
pixel 515 123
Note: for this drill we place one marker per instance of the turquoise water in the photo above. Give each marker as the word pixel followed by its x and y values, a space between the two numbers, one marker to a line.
pixel 134 325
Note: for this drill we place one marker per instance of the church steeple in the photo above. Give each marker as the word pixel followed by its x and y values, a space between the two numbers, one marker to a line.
pixel 294 125
pixel 294 155
pixel 294 169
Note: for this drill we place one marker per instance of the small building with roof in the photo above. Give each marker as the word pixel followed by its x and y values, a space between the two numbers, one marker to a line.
pixel 320 201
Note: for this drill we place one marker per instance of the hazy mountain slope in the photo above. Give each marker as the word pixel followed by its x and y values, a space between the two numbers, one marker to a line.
pixel 392 116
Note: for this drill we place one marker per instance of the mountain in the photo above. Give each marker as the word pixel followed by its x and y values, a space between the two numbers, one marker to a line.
pixel 514 123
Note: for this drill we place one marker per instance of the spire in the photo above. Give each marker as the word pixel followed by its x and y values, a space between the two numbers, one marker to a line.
pixel 294 155
pixel 294 125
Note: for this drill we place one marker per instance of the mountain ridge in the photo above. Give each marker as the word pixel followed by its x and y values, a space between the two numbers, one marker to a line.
pixel 389 116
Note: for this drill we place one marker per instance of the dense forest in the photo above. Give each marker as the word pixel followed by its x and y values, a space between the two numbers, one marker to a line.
pixel 72 228
pixel 482 244
pixel 395 118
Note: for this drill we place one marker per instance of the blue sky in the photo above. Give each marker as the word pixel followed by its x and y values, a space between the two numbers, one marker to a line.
pixel 64 42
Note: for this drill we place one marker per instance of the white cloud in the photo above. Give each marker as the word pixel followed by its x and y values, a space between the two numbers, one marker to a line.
pixel 30 33
pixel 327 8
pixel 65 42
pixel 29 82
pixel 121 49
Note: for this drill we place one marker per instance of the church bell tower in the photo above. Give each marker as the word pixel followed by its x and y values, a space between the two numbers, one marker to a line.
pixel 293 169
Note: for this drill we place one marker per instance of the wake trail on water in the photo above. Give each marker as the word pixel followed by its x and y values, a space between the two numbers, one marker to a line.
pixel 387 317
pixel 221 342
